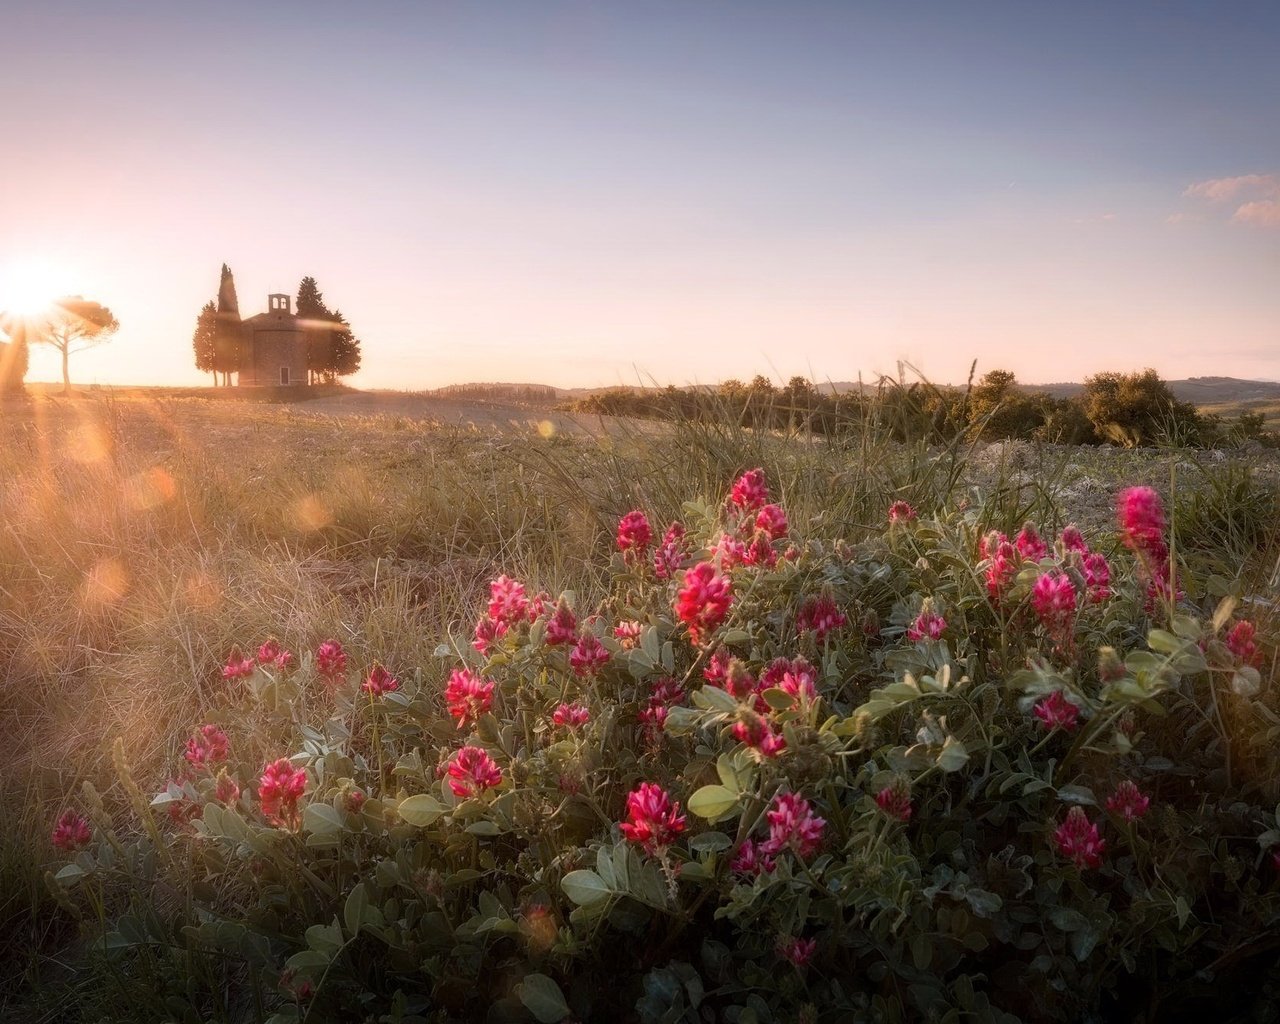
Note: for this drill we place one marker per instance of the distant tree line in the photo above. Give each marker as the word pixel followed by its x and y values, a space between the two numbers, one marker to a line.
pixel 536 393
pixel 1128 409
pixel 333 350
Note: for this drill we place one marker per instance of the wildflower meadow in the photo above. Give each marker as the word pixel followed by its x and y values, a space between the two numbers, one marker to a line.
pixel 922 755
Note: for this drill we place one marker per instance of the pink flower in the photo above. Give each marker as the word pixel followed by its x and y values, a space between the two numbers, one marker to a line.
pixel 756 732
pixel 653 820
pixel 588 655
pixel 71 833
pixel 749 490
pixel 670 553
pixel 238 667
pixel 1003 570
pixel 798 951
pixel 1054 601
pixel 208 747
pixel 227 790
pixel 279 791
pixel 703 601
pixel 628 634
pixel 760 552
pixel 271 653
pixel 472 771
pixel 1142 522
pixel 571 715
pixel 1097 577
pixel 728 552
pixel 507 601
pixel 1073 540
pixel 772 520
pixel 356 800
pixel 929 625
pixel 1056 712
pixel 751 860
pixel 793 826
pixel 901 512
pixel 717 667
pixel 1128 801
pixel 468 696
pixel 488 631
pixel 634 535
pixel 1240 642
pixel 1078 840
pixel 797 678
pixel 820 616
pixel 380 681
pixel 562 627
pixel 1030 544
pixel 331 661
pixel 895 800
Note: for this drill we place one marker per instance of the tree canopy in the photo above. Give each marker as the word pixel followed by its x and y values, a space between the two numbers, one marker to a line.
pixel 333 350
pixel 205 340
pixel 72 324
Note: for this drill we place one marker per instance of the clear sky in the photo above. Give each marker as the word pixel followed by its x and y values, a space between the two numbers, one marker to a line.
pixel 574 193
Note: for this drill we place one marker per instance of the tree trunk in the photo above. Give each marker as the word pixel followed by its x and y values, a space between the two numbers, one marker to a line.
pixel 66 372
pixel 215 378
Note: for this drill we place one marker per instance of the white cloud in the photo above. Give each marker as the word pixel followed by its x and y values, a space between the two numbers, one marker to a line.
pixel 1260 211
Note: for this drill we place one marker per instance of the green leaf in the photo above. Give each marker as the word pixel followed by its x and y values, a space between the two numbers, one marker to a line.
pixel 1077 795
pixel 353 910
pixel 421 810
pixel 484 827
pixel 1163 641
pixel 953 755
pixel 728 773
pixel 322 820
pixel 713 802
pixel 325 938
pixel 710 842
pixel 585 887
pixel 542 998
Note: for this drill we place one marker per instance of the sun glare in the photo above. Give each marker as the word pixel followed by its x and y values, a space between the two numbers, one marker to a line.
pixel 27 289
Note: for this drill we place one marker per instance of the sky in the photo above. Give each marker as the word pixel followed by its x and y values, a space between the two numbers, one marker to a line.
pixel 586 194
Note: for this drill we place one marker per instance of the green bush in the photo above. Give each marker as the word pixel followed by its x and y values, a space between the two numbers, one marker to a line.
pixel 936 775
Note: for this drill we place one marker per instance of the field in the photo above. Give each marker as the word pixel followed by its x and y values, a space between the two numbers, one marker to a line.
pixel 146 537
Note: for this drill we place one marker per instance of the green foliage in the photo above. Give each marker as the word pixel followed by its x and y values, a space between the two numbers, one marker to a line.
pixel 72 324
pixel 332 351
pixel 205 339
pixel 527 902
pixel 1137 408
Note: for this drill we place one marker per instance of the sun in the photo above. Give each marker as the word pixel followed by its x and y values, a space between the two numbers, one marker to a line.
pixel 29 288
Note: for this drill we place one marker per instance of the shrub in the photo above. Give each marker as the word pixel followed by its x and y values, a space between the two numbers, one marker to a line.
pixel 1137 408
pixel 940 774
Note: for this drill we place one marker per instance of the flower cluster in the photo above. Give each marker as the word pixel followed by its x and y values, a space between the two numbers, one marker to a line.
pixel 468 696
pixel 379 681
pixel 209 746
pixel 793 826
pixel 1128 801
pixel 895 800
pixel 279 790
pixel 901 512
pixel 71 833
pixel 1078 840
pixel 654 821
pixel 1242 643
pixel 472 771
pixel 1143 527
pixel 749 491
pixel 820 616
pixel 1056 712
pixel 272 654
pixel 238 667
pixel 928 625
pixel 671 553
pixel 331 661
pixel 571 715
pixel 703 601
pixel 1054 599
pixel 634 535
pixel 588 655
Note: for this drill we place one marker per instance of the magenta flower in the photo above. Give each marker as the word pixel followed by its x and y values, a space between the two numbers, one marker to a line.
pixel 628 634
pixel 209 746
pixel 238 667
pixel 901 512
pixel 1128 801
pixel 1054 599
pixel 1143 527
pixel 488 631
pixel 507 601
pixel 279 790
pixel 820 616
pixel 895 800
pixel 752 860
pixel 1056 712
pixel 634 535
pixel 379 681
pixel 227 791
pixel 703 601
pixel 571 715
pixel 1003 570
pixel 653 820
pixel 1073 540
pixel 772 521
pixel 562 627
pixel 928 625
pixel 331 661
pixel 1242 643
pixel 670 553
pixel 271 653
pixel 1078 840
pixel 468 696
pixel 71 833
pixel 793 826
pixel 717 667
pixel 588 655
pixel 1030 544
pixel 750 491
pixel 756 732
pixel 472 771
pixel 1097 577
pixel 760 552
pixel 798 951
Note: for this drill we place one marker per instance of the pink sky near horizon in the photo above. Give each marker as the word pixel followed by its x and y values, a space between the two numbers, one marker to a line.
pixel 579 195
